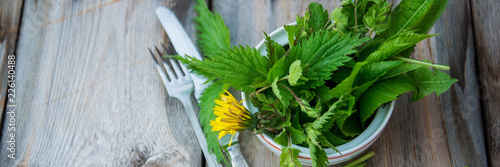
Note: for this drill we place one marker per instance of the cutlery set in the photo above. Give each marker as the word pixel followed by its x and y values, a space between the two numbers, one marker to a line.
pixel 180 83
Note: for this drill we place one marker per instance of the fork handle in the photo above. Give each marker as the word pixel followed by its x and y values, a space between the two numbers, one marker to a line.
pixel 188 106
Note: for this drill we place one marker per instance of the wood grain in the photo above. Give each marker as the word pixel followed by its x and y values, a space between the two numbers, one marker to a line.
pixel 487 37
pixel 10 15
pixel 89 93
pixel 444 131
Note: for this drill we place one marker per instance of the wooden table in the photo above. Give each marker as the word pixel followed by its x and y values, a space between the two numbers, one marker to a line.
pixel 88 93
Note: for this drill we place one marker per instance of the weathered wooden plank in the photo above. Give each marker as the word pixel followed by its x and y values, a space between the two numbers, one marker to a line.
pixel 88 92
pixel 443 131
pixel 10 14
pixel 486 32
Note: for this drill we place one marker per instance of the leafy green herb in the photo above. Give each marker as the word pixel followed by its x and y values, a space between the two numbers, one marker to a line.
pixel 212 92
pixel 429 82
pixel 321 89
pixel 295 73
pixel 382 92
pixel 318 17
pixel 290 156
pixel 377 18
pixel 214 35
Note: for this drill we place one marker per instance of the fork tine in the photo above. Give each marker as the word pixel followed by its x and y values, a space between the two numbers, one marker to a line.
pixel 161 69
pixel 167 67
pixel 153 55
pixel 169 49
pixel 185 70
pixel 176 68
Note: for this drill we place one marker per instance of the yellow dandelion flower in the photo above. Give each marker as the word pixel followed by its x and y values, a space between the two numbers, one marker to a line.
pixel 231 116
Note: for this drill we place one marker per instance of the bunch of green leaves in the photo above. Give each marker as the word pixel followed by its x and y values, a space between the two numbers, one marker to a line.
pixel 322 88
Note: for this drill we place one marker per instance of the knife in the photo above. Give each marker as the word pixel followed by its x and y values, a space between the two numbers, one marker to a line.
pixel 237 159
pixel 183 45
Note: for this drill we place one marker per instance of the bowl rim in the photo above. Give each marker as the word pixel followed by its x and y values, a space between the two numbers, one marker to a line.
pixel 362 141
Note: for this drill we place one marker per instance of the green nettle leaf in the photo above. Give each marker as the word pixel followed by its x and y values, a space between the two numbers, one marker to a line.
pixel 318 155
pixel 318 16
pixel 347 84
pixel 370 74
pixel 327 143
pixel 239 67
pixel 433 13
pixel 348 11
pixel 340 20
pixel 323 93
pixel 214 35
pixel 277 71
pixel 427 21
pixel 324 122
pixel 382 92
pixel 313 135
pixel 323 52
pixel 428 82
pixel 306 108
pixel 207 103
pixel 295 121
pixel 274 51
pixel 289 157
pixel 373 71
pixel 395 45
pixel 282 138
pixel 401 69
pixel 406 14
pixel 276 91
pixel 369 47
pixel 334 140
pixel 290 30
pixel 297 135
pixel 341 74
pixel 259 82
pixel 377 17
pixel 295 73
pixel 350 125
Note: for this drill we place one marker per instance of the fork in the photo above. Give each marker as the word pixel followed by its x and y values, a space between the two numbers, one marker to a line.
pixel 179 84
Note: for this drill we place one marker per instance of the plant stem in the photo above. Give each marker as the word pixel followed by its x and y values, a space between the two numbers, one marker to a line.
pixel 296 98
pixel 331 26
pixel 287 51
pixel 268 86
pixel 289 141
pixel 329 20
pixel 355 16
pixel 260 90
pixel 438 66
pixel 276 112
pixel 362 159
pixel 284 78
pixel 370 34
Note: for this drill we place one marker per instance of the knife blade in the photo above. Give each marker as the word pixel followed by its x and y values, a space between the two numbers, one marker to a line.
pixel 183 45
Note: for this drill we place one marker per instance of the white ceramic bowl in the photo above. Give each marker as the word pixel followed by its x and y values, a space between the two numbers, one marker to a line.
pixel 350 149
